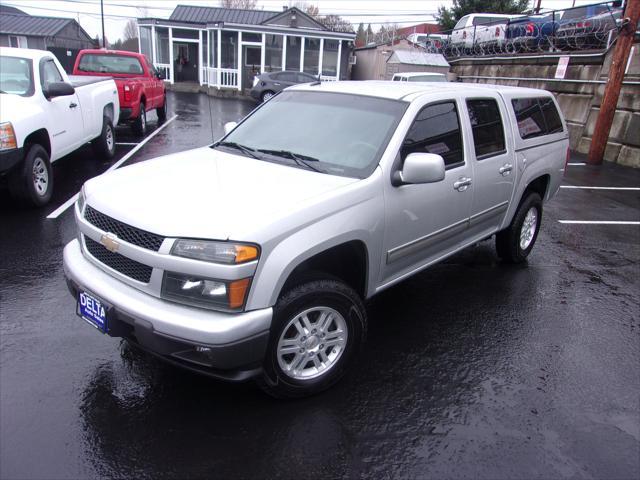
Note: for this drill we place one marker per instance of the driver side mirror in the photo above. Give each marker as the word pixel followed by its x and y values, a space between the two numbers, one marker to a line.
pixel 160 75
pixel 58 89
pixel 420 168
pixel 229 126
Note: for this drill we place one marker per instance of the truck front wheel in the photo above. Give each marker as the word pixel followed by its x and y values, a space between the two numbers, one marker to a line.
pixel 32 182
pixel 105 145
pixel 317 330
pixel 516 242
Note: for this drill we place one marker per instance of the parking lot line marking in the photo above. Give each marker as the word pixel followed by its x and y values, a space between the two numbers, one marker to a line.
pixel 126 143
pixel 600 188
pixel 599 222
pixel 575 164
pixel 61 209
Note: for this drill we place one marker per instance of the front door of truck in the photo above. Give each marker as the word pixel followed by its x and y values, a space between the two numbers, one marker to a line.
pixel 426 221
pixel 64 114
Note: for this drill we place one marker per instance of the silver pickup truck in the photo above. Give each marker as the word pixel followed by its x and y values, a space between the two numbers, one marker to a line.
pixel 252 258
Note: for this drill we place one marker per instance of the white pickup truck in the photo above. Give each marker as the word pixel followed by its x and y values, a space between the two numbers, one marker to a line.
pixel 480 29
pixel 44 115
pixel 253 257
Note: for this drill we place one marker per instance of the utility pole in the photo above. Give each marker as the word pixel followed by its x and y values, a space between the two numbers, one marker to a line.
pixel 614 83
pixel 104 41
pixel 537 9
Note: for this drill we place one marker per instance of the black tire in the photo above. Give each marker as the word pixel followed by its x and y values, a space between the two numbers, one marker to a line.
pixel 23 179
pixel 266 95
pixel 162 111
pixel 104 146
pixel 139 125
pixel 508 243
pixel 327 292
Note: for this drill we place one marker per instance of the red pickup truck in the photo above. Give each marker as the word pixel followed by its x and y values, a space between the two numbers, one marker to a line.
pixel 140 86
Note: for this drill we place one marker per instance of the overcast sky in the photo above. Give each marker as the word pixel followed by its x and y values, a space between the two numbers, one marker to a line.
pixel 404 12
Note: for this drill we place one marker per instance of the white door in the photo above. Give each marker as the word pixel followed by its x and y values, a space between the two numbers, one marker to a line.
pixel 493 163
pixel 426 221
pixel 66 127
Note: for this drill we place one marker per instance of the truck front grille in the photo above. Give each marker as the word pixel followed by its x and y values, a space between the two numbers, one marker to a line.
pixel 124 265
pixel 133 235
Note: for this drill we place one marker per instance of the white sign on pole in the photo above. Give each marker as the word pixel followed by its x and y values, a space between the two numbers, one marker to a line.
pixel 563 63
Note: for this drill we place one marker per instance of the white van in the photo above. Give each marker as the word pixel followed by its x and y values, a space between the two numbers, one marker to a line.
pixel 419 77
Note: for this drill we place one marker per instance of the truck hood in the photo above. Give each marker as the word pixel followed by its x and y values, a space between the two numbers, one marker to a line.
pixel 207 193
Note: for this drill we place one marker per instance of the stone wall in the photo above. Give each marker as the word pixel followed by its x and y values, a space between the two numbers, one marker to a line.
pixel 579 94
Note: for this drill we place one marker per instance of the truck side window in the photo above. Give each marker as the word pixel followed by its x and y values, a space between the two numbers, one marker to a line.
pixel 486 125
pixel 530 120
pixel 49 73
pixel 436 129
pixel 536 116
pixel 551 116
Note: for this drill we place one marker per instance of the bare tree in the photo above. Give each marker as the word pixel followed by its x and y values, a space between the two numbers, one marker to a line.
pixel 130 30
pixel 243 4
pixel 332 22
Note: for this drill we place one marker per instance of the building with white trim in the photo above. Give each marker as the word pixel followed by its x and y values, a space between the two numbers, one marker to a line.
pixel 225 48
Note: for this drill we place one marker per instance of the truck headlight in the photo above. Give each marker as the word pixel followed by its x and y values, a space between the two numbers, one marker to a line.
pixel 205 292
pixel 7 136
pixel 216 252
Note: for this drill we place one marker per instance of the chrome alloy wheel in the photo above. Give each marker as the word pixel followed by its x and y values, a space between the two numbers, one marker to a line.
pixel 109 138
pixel 40 176
pixel 528 229
pixel 143 120
pixel 312 343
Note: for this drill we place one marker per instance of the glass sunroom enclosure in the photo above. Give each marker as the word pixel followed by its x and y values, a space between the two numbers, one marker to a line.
pixel 228 56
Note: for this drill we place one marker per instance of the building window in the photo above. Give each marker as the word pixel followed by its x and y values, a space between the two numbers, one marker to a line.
pixel 162 45
pixel 293 53
pixel 18 41
pixel 229 49
pixel 330 58
pixel 251 37
pixel 273 53
pixel 180 33
pixel 145 41
pixel 311 55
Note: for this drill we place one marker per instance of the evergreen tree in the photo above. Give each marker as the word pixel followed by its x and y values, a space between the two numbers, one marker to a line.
pixel 447 17
pixel 360 35
pixel 368 34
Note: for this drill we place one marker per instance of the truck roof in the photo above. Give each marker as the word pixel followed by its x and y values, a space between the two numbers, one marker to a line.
pixel 30 53
pixel 400 90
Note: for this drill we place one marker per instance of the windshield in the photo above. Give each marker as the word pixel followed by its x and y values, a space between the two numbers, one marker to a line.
pixel 428 78
pixel 334 133
pixel 16 76
pixel 94 62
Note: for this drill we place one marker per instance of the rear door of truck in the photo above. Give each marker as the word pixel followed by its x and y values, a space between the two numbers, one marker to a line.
pixel 494 168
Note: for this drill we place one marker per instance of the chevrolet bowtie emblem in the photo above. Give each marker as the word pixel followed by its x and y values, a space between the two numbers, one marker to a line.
pixel 110 242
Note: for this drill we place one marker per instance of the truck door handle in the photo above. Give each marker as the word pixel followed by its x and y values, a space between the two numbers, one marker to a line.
pixel 462 184
pixel 505 169
pixel 73 105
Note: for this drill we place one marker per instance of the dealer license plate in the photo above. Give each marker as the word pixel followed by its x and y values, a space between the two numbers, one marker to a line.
pixel 93 310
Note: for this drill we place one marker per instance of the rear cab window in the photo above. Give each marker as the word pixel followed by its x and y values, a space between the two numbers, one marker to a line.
pixel 536 116
pixel 436 129
pixel 109 63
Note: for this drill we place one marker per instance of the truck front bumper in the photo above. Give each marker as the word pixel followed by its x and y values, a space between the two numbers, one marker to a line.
pixel 230 346
pixel 10 158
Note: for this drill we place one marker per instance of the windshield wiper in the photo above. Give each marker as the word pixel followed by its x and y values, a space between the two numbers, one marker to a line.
pixel 243 148
pixel 296 157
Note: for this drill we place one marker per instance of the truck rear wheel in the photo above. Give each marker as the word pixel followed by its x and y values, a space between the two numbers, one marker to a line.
pixel 318 328
pixel 32 182
pixel 515 243
pixel 139 125
pixel 105 145
pixel 162 111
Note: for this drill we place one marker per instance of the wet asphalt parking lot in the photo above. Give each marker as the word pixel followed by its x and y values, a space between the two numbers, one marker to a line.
pixel 472 368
